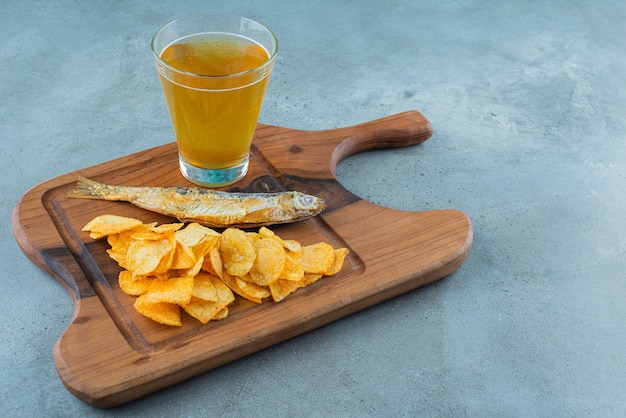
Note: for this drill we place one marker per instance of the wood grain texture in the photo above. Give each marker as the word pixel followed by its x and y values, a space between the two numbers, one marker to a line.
pixel 110 355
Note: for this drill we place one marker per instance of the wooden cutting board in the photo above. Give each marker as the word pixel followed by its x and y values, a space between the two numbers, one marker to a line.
pixel 109 354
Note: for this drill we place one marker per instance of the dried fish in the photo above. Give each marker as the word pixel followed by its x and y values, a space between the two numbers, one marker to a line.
pixel 212 208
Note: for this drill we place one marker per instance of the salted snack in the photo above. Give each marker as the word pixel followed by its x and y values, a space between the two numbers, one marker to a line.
pixel 193 268
pixel 211 208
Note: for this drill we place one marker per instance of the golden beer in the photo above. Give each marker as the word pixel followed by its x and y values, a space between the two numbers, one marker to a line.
pixel 214 84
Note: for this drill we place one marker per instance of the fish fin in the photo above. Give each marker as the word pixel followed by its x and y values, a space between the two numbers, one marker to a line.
pixel 84 181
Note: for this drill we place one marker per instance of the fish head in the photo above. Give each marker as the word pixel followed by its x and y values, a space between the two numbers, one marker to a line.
pixel 308 203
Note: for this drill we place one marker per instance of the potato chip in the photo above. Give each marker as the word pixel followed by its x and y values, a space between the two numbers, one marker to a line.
pixel 203 310
pixel 269 261
pixel 310 278
pixel 289 244
pixel 230 281
pixel 146 233
pixel 234 285
pixel 205 246
pixel 253 236
pixel 119 257
pixel 145 257
pixel 163 313
pixel 252 290
pixel 203 288
pixel 223 313
pixel 237 252
pixel 160 276
pixel 213 262
pixel 291 270
pixel 281 288
pixel 292 245
pixel 168 258
pixel 315 258
pixel 176 290
pixel 184 257
pixel 133 285
pixel 119 242
pixel 340 255
pixel 198 238
pixel 191 234
pixel 104 225
pixel 172 266
pixel 224 294
pixel 191 271
pixel 165 228
pixel 265 232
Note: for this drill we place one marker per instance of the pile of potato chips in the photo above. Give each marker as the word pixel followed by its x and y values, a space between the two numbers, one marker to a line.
pixel 174 266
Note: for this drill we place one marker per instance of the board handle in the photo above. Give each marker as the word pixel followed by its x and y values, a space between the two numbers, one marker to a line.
pixel 400 130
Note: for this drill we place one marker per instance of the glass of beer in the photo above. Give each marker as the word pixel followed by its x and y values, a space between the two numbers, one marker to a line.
pixel 214 71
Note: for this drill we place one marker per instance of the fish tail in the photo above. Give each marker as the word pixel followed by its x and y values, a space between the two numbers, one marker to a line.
pixel 90 189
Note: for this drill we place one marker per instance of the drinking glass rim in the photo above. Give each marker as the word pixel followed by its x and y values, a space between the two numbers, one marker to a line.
pixel 270 60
